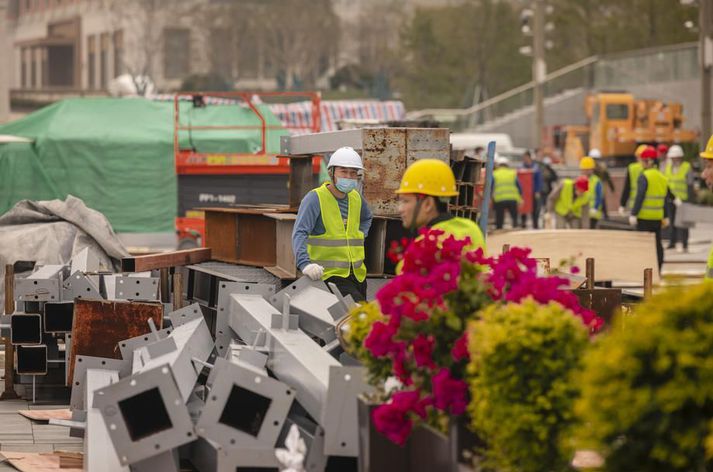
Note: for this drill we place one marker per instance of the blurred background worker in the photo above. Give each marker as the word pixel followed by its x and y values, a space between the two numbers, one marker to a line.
pixel 529 163
pixel 332 222
pixel 568 204
pixel 426 188
pixel 596 191
pixel 507 193
pixel 707 175
pixel 549 179
pixel 649 212
pixel 633 171
pixel 662 151
pixel 601 171
pixel 680 181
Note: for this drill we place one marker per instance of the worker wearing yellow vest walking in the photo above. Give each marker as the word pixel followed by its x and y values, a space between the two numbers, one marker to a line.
pixel 680 180
pixel 707 175
pixel 633 171
pixel 332 222
pixel 596 191
pixel 568 204
pixel 649 212
pixel 507 193
pixel 426 187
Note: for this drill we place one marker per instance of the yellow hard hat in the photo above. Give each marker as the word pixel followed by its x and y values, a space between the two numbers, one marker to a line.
pixel 639 150
pixel 587 163
pixel 708 153
pixel 429 177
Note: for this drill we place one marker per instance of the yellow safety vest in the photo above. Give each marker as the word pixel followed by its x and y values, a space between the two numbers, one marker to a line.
pixel 567 203
pixel 677 181
pixel 341 248
pixel 505 187
pixel 709 268
pixel 460 228
pixel 635 170
pixel 594 212
pixel 656 190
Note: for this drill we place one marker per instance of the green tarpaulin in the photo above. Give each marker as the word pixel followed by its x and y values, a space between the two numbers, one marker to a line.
pixel 117 155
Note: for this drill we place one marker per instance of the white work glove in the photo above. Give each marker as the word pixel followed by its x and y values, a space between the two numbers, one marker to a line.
pixel 632 220
pixel 313 271
pixel 622 211
pixel 678 202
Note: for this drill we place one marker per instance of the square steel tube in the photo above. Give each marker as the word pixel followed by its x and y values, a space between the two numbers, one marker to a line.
pixel 58 317
pixel 26 329
pixel 31 360
pixel 99 454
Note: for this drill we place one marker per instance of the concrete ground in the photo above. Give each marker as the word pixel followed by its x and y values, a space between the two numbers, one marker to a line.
pixel 19 434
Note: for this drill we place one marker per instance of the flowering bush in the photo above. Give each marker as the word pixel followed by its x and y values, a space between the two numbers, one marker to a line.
pixel 421 332
pixel 523 357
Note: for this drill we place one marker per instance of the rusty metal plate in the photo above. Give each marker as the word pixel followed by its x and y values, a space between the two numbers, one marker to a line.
pixel 605 302
pixel 99 325
pixel 427 143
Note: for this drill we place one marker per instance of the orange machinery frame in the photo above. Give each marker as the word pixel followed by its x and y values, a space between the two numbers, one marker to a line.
pixel 191 162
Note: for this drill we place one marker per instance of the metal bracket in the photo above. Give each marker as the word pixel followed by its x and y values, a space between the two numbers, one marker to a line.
pixel 136 288
pixel 222 328
pixel 184 315
pixel 78 285
pixel 83 363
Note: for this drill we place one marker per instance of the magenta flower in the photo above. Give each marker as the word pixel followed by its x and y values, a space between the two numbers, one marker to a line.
pixel 449 394
pixel 392 419
pixel 423 351
pixel 380 340
pixel 460 348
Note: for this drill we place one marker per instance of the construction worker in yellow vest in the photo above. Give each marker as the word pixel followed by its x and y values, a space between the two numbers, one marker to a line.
pixel 331 224
pixel 507 193
pixel 568 204
pixel 596 190
pixel 649 212
pixel 707 175
pixel 680 180
pixel 633 172
pixel 426 188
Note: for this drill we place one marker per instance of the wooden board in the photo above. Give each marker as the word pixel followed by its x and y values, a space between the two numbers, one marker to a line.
pixel 100 324
pixel 618 255
pixel 46 415
pixel 36 462
pixel 165 260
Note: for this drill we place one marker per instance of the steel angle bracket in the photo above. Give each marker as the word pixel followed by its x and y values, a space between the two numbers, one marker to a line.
pixel 128 346
pixel 344 305
pixel 339 416
pixel 146 415
pixel 136 288
pixel 83 363
pixel 37 290
pixel 311 301
pixel 78 285
pixel 185 314
pixel 235 387
pixel 223 308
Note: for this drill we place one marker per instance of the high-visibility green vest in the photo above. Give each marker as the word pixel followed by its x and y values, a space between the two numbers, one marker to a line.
pixel 505 187
pixel 341 248
pixel 567 203
pixel 709 268
pixel 595 213
pixel 677 181
pixel 635 170
pixel 656 190
pixel 462 228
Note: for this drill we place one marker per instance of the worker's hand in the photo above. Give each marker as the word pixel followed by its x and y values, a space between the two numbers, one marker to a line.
pixel 622 211
pixel 665 222
pixel 678 202
pixel 632 220
pixel 313 271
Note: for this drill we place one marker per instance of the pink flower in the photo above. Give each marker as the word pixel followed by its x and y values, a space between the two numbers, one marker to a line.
pixel 460 348
pixel 392 419
pixel 423 351
pixel 380 340
pixel 449 394
pixel 574 270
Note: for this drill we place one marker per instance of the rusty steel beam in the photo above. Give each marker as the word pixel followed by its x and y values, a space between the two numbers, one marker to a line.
pixel 9 391
pixel 165 259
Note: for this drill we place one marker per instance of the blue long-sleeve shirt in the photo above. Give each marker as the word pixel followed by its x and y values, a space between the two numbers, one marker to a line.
pixel 598 196
pixel 641 186
pixel 537 180
pixel 309 222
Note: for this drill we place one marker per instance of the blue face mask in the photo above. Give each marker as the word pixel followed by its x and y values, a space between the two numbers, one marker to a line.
pixel 347 185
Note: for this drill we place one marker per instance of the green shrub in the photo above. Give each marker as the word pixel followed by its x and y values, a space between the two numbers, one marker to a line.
pixel 522 396
pixel 647 386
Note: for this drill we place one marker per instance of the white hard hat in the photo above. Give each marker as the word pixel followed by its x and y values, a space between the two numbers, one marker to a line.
pixel 595 154
pixel 501 160
pixel 547 160
pixel 345 157
pixel 675 151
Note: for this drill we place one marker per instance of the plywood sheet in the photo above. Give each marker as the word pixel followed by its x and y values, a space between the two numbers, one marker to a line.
pixel 100 324
pixel 36 462
pixel 46 415
pixel 618 255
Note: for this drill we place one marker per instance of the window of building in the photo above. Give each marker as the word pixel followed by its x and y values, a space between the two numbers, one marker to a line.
pixel 33 68
pixel 91 61
pixel 104 60
pixel 24 65
pixel 118 53
pixel 222 53
pixel 176 53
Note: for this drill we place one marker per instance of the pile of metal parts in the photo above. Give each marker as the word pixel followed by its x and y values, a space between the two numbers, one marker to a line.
pixel 224 401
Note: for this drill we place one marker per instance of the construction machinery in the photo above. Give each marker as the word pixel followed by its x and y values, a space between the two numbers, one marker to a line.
pixel 618 122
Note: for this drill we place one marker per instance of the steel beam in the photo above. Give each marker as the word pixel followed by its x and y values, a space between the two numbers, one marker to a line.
pixel 25 329
pixel 223 333
pixel 165 260
pixel 320 143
